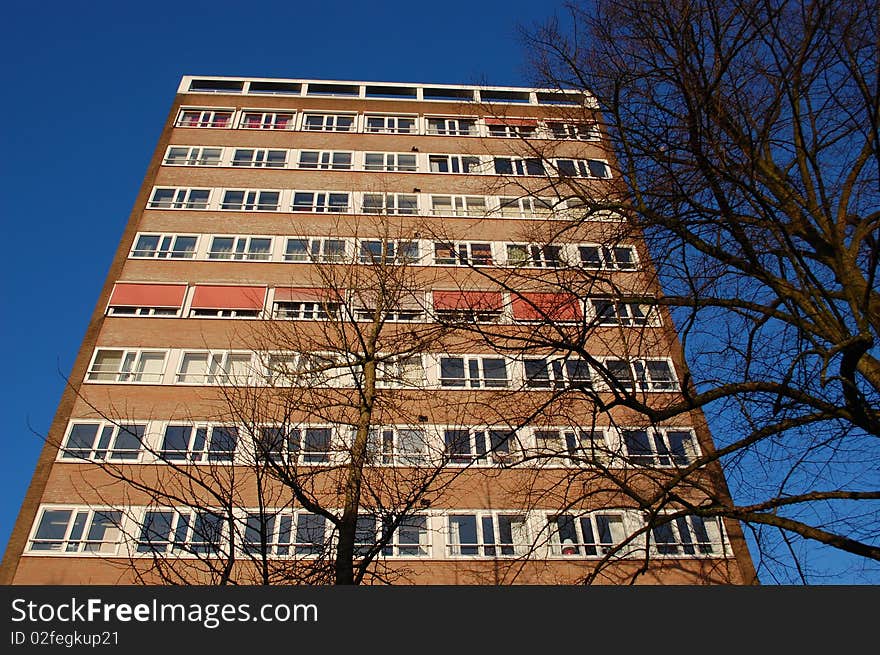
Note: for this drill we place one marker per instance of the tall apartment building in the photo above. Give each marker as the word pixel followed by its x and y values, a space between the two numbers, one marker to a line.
pixel 380 315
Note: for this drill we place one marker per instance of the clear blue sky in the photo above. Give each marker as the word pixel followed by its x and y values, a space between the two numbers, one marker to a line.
pixel 87 86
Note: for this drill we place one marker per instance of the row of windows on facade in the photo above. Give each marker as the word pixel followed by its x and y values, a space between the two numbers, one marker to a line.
pixel 315 121
pixel 420 445
pixel 389 162
pixel 224 367
pixel 170 300
pixel 230 247
pixel 344 202
pixel 149 531
pixel 367 91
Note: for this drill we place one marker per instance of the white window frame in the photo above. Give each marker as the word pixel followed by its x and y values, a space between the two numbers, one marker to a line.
pixel 241 248
pixel 130 369
pixel 391 124
pixel 75 540
pixel 326 160
pixel 318 254
pixel 194 156
pixel 608 257
pixel 535 255
pixel 682 530
pixel 484 547
pixel 460 205
pixel 660 449
pixel 164 246
pixel 251 201
pixel 463 254
pixel 456 164
pixel 329 122
pixel 525 207
pixel 207 117
pixel 640 375
pixel 185 547
pixel 320 202
pixel 576 131
pixel 474 373
pixel 608 530
pixel 391 204
pixel 216 367
pixel 259 158
pixel 560 373
pixel 203 435
pixel 609 312
pixel 268 119
pixel 580 168
pixel 104 443
pixel 452 126
pixel 391 162
pixel 181 198
pixel 519 166
pixel 285 523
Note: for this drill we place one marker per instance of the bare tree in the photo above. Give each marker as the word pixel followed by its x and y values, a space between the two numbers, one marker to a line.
pixel 746 135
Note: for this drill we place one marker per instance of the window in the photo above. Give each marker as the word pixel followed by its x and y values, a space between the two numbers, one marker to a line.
pixel 164 531
pixel 463 254
pixel 250 200
pixel 479 446
pixel 388 252
pixel 299 533
pixel 534 255
pixel 655 375
pixel 218 301
pixel 241 248
pixel 473 372
pixel 259 158
pixel 307 369
pixel 391 124
pixel 410 539
pixel 402 371
pixel 328 123
pixel 309 201
pixel 454 164
pixel 618 257
pixel 687 535
pixel 458 205
pixel 182 443
pixel 517 166
pixel 325 160
pixel 165 246
pixel 391 203
pixel 214 368
pixel 204 118
pixel 582 168
pixel 577 446
pixel 314 250
pixel 104 440
pixel 593 535
pixel 176 198
pixel 136 366
pixel 390 162
pixel 487 535
pixel 186 156
pixel 578 131
pixel 267 121
pixel 78 531
pixel 134 299
pixel 452 126
pixel 511 128
pixel 559 373
pixel 610 313
pixel 305 310
pixel 467 306
pixel 399 445
pixel 660 447
pixel 546 307
pixel 525 207
pixel 312 445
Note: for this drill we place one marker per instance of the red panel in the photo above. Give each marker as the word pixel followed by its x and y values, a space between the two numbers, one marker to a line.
pixel 147 295
pixel 546 306
pixel 524 122
pixel 458 300
pixel 304 294
pixel 218 297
